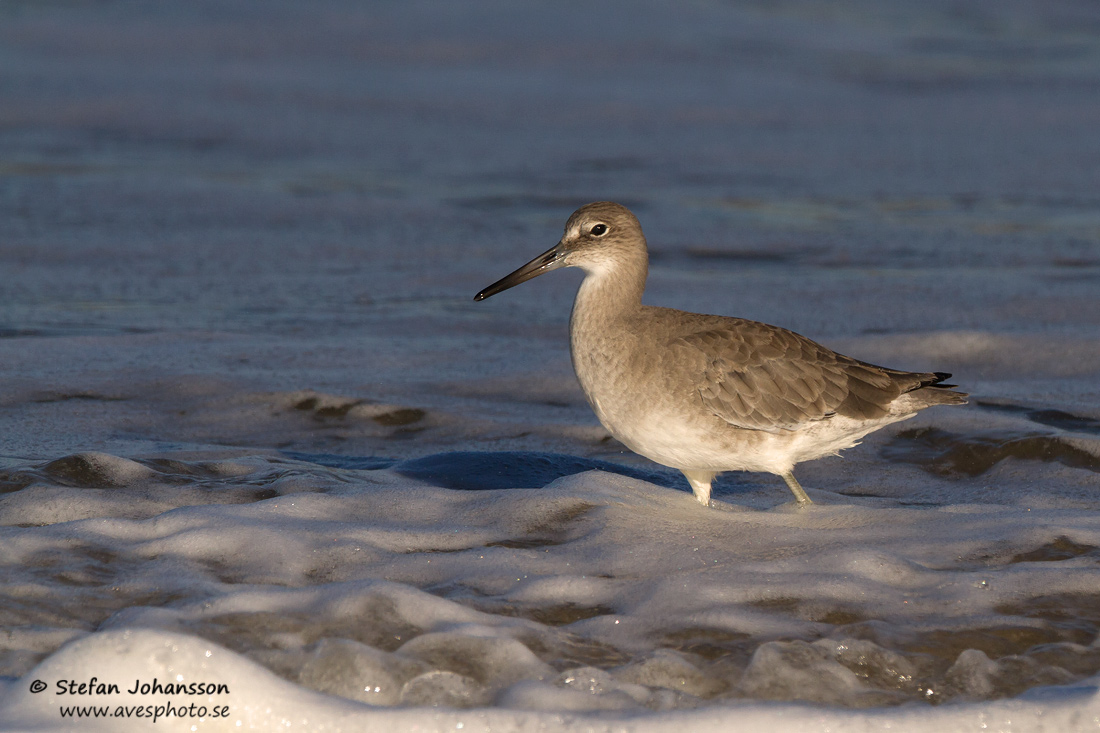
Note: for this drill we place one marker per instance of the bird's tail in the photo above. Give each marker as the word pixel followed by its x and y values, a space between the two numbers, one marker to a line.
pixel 933 388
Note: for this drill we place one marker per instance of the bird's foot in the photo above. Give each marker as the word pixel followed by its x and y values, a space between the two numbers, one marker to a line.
pixel 700 484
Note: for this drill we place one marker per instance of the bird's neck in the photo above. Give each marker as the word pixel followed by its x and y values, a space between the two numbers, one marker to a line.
pixel 601 334
pixel 609 293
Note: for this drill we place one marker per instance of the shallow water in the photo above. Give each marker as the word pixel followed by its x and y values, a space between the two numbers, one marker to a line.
pixel 250 413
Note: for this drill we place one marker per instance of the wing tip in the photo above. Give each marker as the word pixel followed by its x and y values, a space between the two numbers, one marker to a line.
pixel 939 381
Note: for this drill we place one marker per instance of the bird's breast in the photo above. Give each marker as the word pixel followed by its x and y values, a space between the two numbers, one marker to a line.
pixel 602 365
pixel 625 381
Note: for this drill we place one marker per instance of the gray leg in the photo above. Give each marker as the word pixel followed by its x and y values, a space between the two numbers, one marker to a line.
pixel 700 484
pixel 793 485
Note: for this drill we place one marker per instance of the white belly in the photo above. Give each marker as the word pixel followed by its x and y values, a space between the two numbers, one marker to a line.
pixel 697 440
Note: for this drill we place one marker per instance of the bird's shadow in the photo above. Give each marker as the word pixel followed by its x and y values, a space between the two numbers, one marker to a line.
pixel 495 470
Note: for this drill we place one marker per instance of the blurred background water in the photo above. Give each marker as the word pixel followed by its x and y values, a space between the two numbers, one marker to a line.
pixel 296 177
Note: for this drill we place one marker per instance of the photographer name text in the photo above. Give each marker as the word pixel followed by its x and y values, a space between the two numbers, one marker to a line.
pixel 95 687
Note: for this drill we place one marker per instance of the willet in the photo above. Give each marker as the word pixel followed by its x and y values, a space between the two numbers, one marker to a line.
pixel 707 394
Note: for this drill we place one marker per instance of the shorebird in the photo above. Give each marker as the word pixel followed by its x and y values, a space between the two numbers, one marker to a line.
pixel 707 394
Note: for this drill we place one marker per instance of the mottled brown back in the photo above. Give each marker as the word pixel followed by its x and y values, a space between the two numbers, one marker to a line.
pixel 764 377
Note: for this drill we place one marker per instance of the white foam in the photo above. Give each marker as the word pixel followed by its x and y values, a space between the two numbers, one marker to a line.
pixel 532 590
pixel 255 699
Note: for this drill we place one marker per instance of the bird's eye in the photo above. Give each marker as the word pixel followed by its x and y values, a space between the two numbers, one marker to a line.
pixel 599 230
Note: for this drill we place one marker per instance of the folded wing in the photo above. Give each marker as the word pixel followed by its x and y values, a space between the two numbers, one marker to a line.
pixel 763 377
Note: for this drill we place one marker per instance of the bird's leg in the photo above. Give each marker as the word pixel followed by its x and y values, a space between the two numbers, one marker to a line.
pixel 793 485
pixel 700 484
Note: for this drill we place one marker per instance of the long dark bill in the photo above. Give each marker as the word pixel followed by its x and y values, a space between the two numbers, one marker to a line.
pixel 551 259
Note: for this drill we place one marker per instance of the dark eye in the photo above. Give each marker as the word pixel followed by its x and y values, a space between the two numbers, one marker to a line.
pixel 599 230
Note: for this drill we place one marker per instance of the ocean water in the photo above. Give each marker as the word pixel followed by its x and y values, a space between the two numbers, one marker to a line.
pixel 254 432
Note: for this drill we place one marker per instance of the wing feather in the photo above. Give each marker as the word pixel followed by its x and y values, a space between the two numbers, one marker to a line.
pixel 763 377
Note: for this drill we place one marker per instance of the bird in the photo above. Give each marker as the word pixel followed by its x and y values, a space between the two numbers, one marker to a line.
pixel 706 394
